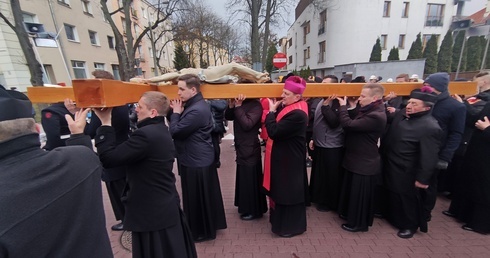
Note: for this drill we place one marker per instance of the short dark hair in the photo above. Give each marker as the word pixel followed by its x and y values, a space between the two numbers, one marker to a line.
pixel 404 76
pixel 191 80
pixel 101 74
pixel 333 77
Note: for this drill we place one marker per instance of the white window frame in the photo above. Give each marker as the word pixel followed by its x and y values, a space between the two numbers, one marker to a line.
pixel 95 38
pixel 73 31
pixel 383 40
pixel 79 66
pixel 65 2
pixel 86 6
pixel 99 66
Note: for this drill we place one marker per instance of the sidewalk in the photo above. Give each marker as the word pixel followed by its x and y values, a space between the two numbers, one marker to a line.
pixel 324 237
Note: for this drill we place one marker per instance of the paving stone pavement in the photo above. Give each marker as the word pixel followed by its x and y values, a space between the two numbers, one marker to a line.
pixel 324 237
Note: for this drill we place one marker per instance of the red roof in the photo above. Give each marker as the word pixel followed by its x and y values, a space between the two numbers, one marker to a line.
pixel 479 17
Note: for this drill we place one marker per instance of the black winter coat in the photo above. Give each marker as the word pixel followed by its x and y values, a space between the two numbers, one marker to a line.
pixel 361 139
pixel 55 125
pixel 191 131
pixel 151 200
pixel 410 151
pixel 51 201
pixel 246 128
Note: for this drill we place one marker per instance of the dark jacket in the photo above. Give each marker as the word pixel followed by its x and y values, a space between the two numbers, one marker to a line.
pixel 191 131
pixel 218 107
pixel 410 151
pixel 120 122
pixel 246 128
pixel 151 200
pixel 451 116
pixel 51 201
pixel 288 163
pixel 362 133
pixel 55 125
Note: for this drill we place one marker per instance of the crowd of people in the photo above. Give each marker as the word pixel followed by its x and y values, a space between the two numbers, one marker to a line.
pixel 378 155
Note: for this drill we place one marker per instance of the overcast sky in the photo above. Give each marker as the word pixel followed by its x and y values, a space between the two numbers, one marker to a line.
pixel 219 7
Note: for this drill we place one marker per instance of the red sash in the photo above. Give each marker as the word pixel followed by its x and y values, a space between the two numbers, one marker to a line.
pixel 301 105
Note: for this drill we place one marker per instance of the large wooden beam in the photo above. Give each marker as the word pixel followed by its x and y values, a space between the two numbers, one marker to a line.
pixel 109 93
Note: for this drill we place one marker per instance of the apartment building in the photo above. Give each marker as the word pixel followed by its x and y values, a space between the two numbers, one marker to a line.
pixel 326 34
pixel 85 41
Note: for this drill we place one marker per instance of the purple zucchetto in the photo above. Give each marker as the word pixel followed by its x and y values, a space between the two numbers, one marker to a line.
pixel 295 84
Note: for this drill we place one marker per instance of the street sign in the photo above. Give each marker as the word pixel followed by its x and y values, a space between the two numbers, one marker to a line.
pixel 279 60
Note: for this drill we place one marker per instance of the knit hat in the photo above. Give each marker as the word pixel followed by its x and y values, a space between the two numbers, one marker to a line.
pixel 295 84
pixel 438 81
pixel 424 96
pixel 14 105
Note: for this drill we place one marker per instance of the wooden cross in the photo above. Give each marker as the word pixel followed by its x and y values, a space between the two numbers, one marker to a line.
pixel 111 93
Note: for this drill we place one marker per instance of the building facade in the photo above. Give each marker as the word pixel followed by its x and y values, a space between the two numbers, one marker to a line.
pixel 71 38
pixel 326 34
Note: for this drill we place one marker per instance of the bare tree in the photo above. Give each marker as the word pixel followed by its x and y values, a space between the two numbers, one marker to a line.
pixel 126 47
pixel 25 44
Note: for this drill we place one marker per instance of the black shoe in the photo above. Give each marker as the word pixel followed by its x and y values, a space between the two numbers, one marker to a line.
pixel 202 239
pixel 288 235
pixel 322 208
pixel 467 228
pixel 429 218
pixel 449 214
pixel 378 215
pixel 308 163
pixel 342 216
pixel 249 217
pixel 405 233
pixel 347 227
pixel 118 227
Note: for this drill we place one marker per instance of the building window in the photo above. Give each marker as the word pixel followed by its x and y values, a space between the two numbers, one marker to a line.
pixel 64 2
pixel 99 66
pixel 27 17
pixel 143 11
pixel 434 15
pixel 94 39
pixel 401 41
pixel 79 69
pixel 290 60
pixel 150 50
pixel 123 24
pixel 406 6
pixel 321 54
pixel 323 22
pixel 71 32
pixel 306 30
pixel 290 42
pixel 110 40
pixel 305 56
pixel 87 9
pixel 383 40
pixel 115 72
pixel 386 9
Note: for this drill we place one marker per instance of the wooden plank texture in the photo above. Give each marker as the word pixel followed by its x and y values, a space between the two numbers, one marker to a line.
pixel 110 93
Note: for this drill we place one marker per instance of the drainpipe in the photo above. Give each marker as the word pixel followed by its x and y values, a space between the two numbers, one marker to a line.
pixel 60 46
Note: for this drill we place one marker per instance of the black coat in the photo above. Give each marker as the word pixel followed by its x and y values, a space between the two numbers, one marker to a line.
pixel 410 151
pixel 55 125
pixel 151 200
pixel 361 139
pixel 191 131
pixel 120 122
pixel 51 201
pixel 288 157
pixel 246 128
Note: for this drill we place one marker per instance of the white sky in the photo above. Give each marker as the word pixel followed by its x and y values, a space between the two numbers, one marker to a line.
pixel 219 7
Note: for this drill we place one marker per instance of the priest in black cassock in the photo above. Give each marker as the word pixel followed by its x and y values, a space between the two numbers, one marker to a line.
pixel 285 165
pixel 410 153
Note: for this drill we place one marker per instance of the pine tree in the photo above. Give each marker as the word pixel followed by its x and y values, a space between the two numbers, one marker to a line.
pixel 376 52
pixel 415 51
pixel 474 54
pixel 181 60
pixel 270 54
pixel 430 55
pixel 445 53
pixel 394 55
pixel 458 43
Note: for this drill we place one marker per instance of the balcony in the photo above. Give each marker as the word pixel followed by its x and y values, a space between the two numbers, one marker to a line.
pixel 434 21
pixel 321 30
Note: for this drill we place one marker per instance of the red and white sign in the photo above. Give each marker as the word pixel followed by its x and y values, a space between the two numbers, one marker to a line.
pixel 279 60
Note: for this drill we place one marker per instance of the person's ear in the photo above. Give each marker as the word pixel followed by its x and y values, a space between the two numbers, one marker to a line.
pixel 153 113
pixel 38 128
